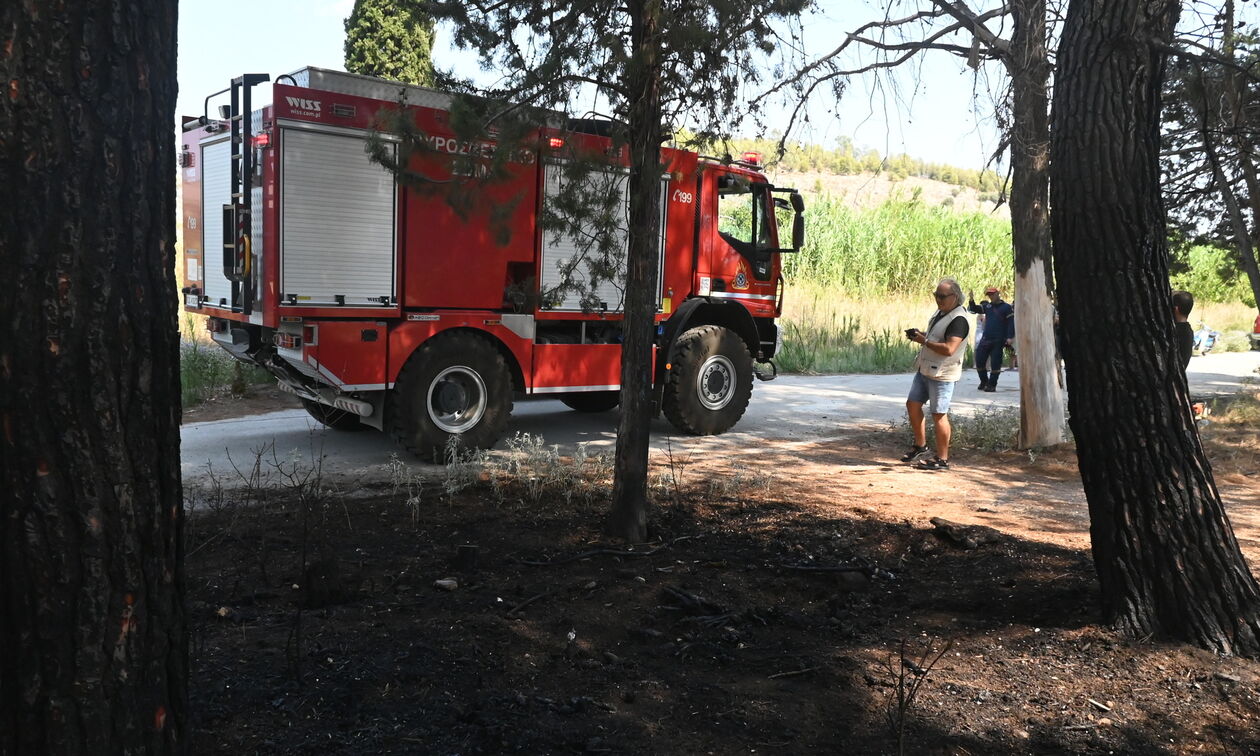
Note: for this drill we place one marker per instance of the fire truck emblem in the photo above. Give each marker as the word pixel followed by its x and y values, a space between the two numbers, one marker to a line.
pixel 741 278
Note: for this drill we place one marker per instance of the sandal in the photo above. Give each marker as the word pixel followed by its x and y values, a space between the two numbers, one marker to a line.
pixel 915 453
pixel 936 465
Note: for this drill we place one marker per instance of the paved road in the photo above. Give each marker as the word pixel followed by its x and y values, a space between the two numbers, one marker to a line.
pixel 792 407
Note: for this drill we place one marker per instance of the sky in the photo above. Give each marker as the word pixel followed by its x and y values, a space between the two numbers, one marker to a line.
pixel 927 111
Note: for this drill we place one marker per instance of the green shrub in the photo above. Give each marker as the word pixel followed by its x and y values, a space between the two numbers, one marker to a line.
pixel 821 347
pixel 1233 341
pixel 1210 277
pixel 206 371
pixel 1242 409
pixel 989 429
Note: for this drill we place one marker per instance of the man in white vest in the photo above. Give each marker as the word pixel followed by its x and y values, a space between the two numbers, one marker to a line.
pixel 937 369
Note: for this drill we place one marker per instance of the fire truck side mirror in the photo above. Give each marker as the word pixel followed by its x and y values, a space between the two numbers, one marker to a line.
pixel 798 229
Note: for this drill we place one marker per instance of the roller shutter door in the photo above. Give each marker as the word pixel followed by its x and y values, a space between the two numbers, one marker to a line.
pixel 216 175
pixel 561 247
pixel 337 220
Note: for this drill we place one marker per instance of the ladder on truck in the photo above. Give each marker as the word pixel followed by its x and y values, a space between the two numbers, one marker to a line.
pixel 238 252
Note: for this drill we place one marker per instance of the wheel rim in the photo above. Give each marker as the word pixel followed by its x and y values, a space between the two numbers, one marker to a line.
pixel 457 399
pixel 715 385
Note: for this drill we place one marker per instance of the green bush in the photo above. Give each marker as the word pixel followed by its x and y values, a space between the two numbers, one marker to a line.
pixel 1211 277
pixel 989 429
pixel 206 371
pixel 837 348
pixel 1241 409
pixel 1233 341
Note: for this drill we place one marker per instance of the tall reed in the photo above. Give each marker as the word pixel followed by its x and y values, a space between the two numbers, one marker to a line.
pixel 899 247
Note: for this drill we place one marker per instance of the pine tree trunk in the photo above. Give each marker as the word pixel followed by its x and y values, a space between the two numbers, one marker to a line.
pixel 92 626
pixel 628 519
pixel 1041 397
pixel 1167 560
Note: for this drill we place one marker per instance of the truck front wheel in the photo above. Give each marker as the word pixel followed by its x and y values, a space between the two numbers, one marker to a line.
pixel 709 381
pixel 457 386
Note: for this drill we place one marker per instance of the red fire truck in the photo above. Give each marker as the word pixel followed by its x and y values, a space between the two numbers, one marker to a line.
pixel 386 306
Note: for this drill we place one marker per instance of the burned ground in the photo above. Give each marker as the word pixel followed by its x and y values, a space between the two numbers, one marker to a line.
pixel 768 615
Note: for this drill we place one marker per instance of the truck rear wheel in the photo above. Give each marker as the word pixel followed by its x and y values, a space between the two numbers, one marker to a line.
pixel 331 417
pixel 592 401
pixel 709 382
pixel 456 385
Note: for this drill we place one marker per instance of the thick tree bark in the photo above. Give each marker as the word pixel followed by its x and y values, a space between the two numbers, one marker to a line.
pixel 1041 397
pixel 628 518
pixel 91 617
pixel 1167 561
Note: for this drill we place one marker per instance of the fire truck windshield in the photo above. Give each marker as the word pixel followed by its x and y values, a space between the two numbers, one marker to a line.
pixel 742 217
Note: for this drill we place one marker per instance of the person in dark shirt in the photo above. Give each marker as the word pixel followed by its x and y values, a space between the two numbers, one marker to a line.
pixel 999 333
pixel 1182 304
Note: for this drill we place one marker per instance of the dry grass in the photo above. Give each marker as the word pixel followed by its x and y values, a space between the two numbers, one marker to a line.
pixel 1227 316
pixel 810 303
pixel 1232 434
pixel 825 331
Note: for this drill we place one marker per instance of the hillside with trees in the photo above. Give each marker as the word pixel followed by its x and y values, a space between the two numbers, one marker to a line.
pixel 848 159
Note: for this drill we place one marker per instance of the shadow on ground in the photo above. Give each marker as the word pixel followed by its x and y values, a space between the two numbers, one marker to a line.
pixel 728 634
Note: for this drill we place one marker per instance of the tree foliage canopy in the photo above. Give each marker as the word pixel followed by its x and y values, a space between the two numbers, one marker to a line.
pixel 1211 125
pixel 1195 102
pixel 573 62
pixel 391 39
pixel 645 68
pixel 712 55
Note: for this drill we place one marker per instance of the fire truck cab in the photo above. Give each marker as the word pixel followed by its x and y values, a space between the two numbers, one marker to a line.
pixel 385 305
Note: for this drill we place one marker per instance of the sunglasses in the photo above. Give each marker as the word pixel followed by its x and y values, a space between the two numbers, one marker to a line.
pixel 939 295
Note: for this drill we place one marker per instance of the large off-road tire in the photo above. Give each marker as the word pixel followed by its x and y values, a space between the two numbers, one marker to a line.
pixel 456 384
pixel 592 401
pixel 331 417
pixel 709 381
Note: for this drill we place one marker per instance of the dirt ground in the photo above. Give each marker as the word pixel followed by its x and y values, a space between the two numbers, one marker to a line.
pixel 256 400
pixel 768 615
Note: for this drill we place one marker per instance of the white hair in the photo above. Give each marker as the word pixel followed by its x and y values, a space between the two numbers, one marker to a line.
pixel 954 287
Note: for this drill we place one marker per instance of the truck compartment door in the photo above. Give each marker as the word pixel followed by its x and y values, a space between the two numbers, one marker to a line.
pixel 562 368
pixel 560 248
pixel 337 217
pixel 216 191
